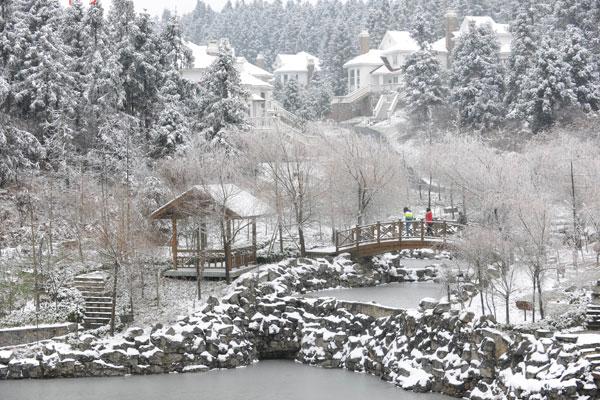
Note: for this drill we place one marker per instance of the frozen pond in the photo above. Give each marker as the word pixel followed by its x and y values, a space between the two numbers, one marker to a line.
pixel 398 295
pixel 267 380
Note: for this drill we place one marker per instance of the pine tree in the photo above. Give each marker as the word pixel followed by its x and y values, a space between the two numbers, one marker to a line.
pixel 341 48
pixel 41 84
pixel 423 88
pixel 584 72
pixel 172 130
pixel 380 19
pixel 423 27
pixel 523 48
pixel 223 97
pixel 175 54
pixel 76 44
pixel 317 101
pixel 548 86
pixel 104 90
pixel 292 97
pixel 476 79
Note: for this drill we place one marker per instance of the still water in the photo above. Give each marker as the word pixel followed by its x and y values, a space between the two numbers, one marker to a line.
pixel 399 295
pixel 267 380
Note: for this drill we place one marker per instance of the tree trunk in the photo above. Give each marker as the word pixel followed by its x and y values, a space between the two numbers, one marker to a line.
pixel 540 299
pixel 533 301
pixel 480 288
pixel 506 308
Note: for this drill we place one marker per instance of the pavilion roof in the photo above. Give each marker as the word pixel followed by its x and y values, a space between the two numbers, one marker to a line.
pixel 202 200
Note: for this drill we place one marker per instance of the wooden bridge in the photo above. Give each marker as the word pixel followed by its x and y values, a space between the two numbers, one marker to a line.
pixel 383 237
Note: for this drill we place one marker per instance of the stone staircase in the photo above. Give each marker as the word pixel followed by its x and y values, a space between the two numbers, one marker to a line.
pixel 98 302
pixel 593 309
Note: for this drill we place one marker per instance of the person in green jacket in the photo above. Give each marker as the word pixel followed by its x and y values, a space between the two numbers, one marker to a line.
pixel 408 217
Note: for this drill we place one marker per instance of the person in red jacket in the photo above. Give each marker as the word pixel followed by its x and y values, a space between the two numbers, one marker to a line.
pixel 429 221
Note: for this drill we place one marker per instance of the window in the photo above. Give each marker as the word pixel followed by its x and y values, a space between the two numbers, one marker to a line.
pixel 285 78
pixel 351 78
pixel 395 59
pixel 263 95
pixel 358 78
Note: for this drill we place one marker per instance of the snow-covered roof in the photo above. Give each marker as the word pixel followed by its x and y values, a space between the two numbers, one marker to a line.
pixel 382 70
pixel 294 62
pixel 250 74
pixel 253 70
pixel 202 199
pixel 237 200
pixel 202 59
pixel 481 21
pixel 439 46
pixel 248 80
pixel 372 57
pixel 398 41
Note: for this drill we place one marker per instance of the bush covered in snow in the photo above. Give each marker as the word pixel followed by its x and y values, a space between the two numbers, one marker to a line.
pixel 68 306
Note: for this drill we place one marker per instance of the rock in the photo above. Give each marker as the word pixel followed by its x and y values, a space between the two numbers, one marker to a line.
pixel 132 333
pixel 441 308
pixel 428 303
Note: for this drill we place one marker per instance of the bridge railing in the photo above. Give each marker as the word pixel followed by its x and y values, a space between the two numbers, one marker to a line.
pixel 394 231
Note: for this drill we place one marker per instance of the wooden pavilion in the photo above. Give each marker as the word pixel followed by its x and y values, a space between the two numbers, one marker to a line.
pixel 232 209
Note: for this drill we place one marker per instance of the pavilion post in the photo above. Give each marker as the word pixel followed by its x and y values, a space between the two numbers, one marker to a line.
pixel 254 239
pixel 228 260
pixel 174 242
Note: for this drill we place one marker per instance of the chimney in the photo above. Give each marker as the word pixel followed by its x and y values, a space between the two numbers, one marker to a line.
pixel 260 61
pixel 310 66
pixel 363 40
pixel 451 27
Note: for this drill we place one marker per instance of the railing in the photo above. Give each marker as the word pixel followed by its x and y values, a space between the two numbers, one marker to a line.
pixel 358 93
pixel 352 97
pixel 394 231
pixel 240 256
pixel 280 112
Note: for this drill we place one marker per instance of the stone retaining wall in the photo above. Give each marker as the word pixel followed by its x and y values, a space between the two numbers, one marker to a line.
pixel 434 349
pixel 28 334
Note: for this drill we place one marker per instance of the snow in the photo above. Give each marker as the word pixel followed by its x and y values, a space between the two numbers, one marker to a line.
pixel 398 41
pixel 372 57
pixel 294 62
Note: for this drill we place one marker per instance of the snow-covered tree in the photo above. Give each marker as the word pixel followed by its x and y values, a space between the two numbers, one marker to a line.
pixel 175 54
pixel 476 79
pixel 172 129
pixel 224 99
pixel 523 48
pixel 292 96
pixel 548 86
pixel 423 85
pixel 423 27
pixel 584 70
pixel 41 84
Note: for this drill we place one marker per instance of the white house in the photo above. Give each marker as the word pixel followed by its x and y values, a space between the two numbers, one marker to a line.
pixel 300 66
pixel 379 69
pixel 253 78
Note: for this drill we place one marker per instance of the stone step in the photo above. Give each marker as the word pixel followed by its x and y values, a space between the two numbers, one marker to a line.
pixel 103 308
pixel 97 320
pixel 96 296
pixel 593 306
pixel 94 325
pixel 88 284
pixel 97 314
